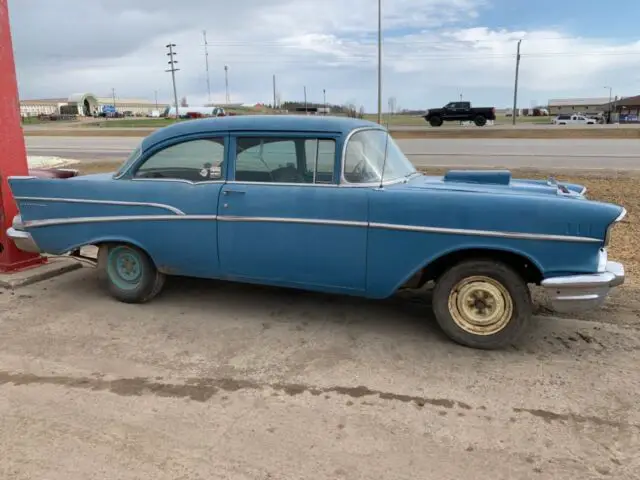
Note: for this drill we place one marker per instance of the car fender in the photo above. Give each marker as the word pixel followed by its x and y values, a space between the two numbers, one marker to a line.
pixel 490 248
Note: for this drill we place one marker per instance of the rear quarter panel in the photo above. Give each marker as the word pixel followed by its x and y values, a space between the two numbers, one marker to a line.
pixel 165 225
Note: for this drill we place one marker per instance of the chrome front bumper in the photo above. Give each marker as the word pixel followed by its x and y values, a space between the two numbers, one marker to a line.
pixel 583 292
pixel 23 240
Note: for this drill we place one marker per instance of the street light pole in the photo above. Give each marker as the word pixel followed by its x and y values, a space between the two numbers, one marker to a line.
pixel 515 88
pixel 324 96
pixel 380 62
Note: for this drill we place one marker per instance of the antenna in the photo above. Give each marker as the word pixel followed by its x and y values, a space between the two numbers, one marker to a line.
pixel 206 58
pixel 386 149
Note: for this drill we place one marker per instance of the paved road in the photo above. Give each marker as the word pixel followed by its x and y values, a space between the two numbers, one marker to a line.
pixel 512 153
pixel 225 381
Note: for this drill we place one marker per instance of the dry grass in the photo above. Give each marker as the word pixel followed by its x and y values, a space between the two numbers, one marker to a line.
pixel 621 188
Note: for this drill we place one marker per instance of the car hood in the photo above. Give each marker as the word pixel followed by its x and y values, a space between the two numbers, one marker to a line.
pixel 495 181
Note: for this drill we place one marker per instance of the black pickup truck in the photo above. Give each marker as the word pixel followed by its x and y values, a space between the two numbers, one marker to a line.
pixel 460 112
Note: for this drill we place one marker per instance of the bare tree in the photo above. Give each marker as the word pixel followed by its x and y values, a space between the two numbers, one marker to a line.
pixel 183 102
pixel 392 105
pixel 361 112
pixel 350 109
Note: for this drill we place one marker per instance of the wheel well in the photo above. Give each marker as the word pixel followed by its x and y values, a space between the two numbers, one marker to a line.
pixel 521 264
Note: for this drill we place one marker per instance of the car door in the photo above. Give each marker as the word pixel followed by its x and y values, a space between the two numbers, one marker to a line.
pixel 284 220
pixel 184 175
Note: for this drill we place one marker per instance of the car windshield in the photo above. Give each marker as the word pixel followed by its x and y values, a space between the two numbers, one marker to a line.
pixel 365 162
pixel 132 158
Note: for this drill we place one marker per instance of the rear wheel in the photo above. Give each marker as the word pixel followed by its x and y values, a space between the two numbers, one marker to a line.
pixel 480 121
pixel 482 304
pixel 435 121
pixel 128 273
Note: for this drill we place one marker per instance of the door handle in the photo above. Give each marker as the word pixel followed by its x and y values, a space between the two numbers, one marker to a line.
pixel 239 192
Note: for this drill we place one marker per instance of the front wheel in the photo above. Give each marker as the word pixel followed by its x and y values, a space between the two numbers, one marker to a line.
pixel 128 273
pixel 482 304
pixel 435 121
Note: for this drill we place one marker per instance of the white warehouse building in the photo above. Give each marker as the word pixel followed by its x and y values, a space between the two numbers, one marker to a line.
pixel 86 105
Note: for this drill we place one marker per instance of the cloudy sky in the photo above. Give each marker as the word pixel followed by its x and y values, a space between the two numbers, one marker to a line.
pixel 434 50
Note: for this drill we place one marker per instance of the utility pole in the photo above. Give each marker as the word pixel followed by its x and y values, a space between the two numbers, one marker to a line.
pixel 305 100
pixel 380 62
pixel 324 97
pixel 515 88
pixel 609 111
pixel 173 71
pixel 206 59
pixel 226 84
pixel 156 95
pixel 274 93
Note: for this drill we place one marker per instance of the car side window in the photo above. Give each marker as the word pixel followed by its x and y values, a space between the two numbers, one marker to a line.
pixel 284 160
pixel 194 160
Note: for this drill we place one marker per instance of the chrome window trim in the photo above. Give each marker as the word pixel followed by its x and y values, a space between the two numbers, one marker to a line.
pixel 115 218
pixel 283 184
pixel 343 181
pixel 163 206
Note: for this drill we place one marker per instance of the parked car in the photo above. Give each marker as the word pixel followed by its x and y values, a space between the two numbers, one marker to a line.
pixel 460 112
pixel 573 120
pixel 332 205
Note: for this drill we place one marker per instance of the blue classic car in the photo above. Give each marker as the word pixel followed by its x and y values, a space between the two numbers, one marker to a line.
pixel 332 205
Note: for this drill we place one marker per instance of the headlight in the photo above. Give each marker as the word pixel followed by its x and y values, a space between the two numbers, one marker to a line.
pixel 607 237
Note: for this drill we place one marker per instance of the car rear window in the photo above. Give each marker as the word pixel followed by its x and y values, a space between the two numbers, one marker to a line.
pixel 564 117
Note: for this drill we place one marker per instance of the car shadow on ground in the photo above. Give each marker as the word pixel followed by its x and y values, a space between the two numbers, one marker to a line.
pixel 407 314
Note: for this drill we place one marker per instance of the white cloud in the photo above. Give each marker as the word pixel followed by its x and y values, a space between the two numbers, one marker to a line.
pixel 433 50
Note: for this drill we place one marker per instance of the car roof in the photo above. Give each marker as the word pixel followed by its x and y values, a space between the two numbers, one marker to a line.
pixel 269 123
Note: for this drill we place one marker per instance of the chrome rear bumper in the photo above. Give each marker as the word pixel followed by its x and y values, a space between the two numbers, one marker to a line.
pixel 23 240
pixel 583 292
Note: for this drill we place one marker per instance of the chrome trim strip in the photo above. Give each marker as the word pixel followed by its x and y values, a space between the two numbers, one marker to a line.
pixel 175 210
pixel 486 233
pixel 176 180
pixel 22 177
pixel 309 221
pixel 122 218
pixel 313 221
pixel 620 217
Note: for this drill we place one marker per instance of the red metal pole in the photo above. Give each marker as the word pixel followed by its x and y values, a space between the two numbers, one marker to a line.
pixel 13 153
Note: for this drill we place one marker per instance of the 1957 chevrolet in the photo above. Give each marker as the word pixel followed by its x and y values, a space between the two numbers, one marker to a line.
pixel 332 205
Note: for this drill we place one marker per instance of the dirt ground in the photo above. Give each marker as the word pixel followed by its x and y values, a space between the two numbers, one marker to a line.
pixel 216 380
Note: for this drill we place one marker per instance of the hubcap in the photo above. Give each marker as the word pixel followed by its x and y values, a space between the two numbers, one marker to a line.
pixel 124 267
pixel 480 305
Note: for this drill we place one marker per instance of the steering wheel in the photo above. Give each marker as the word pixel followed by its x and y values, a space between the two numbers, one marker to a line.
pixel 361 170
